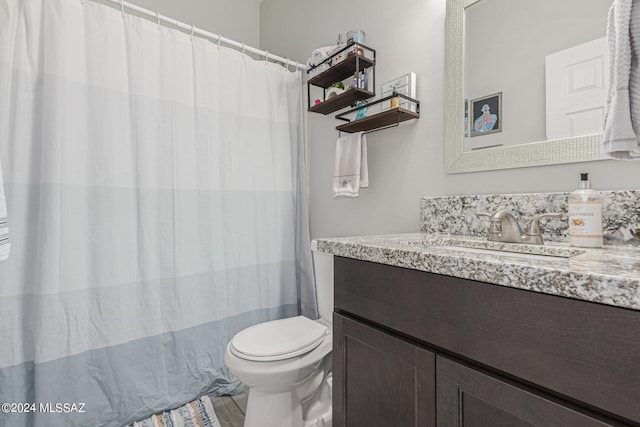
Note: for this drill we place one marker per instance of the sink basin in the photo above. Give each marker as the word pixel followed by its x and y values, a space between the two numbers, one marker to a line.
pixel 477 246
pixel 495 252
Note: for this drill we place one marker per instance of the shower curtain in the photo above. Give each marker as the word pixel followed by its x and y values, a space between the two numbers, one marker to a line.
pixel 155 192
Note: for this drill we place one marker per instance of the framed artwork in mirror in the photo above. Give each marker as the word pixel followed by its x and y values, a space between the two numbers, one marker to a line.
pixel 487 114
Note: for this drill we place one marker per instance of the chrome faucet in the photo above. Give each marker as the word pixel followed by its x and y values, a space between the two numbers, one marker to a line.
pixel 504 227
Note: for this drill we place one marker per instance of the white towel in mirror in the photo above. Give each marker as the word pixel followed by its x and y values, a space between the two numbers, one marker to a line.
pixel 622 118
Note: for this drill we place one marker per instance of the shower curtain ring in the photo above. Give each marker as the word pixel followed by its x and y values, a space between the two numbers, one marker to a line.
pixel 243 48
pixel 192 28
pixel 287 58
pixel 219 40
pixel 122 8
pixel 266 56
pixel 158 19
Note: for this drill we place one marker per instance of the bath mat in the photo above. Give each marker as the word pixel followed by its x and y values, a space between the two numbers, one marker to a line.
pixel 198 413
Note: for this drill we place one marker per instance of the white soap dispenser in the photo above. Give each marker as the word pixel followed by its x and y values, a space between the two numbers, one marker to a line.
pixel 585 215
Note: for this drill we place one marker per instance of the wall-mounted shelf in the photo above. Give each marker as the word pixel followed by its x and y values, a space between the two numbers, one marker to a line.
pixel 349 97
pixel 342 70
pixel 353 60
pixel 385 114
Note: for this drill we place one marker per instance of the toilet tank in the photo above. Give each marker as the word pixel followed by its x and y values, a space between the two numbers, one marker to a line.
pixel 323 272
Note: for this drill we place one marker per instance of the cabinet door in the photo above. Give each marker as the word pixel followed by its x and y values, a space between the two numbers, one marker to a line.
pixel 380 380
pixel 470 398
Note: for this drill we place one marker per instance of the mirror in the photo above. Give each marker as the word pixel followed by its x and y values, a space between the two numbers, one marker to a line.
pixel 510 80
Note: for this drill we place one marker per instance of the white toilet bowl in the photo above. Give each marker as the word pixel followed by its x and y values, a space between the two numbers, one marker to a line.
pixel 286 363
pixel 289 387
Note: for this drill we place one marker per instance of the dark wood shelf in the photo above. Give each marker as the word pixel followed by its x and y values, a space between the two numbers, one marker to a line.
pixel 341 70
pixel 380 120
pixel 345 99
pixel 358 60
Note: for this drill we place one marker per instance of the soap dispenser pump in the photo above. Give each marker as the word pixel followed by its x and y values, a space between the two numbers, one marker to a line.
pixel 585 215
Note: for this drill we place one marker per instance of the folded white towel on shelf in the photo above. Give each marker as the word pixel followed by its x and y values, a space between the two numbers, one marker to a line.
pixel 622 117
pixel 5 244
pixel 350 172
pixel 320 54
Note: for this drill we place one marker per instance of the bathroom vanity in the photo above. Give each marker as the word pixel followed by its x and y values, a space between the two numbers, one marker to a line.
pixel 428 335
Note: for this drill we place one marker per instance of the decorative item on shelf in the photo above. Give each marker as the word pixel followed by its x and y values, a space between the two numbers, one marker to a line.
pixel 405 85
pixel 355 36
pixel 335 90
pixel 360 81
pixel 395 101
pixel 317 70
pixel 338 58
pixel 317 102
pixel 362 112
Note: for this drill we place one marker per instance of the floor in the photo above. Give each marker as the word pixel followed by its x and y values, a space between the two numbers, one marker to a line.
pixel 230 409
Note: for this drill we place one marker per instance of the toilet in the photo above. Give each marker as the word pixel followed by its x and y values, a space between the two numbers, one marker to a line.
pixel 286 363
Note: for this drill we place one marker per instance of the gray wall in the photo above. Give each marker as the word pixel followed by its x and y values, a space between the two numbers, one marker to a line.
pixel 235 19
pixel 405 163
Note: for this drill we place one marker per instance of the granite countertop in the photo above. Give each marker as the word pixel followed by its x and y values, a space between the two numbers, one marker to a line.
pixel 608 276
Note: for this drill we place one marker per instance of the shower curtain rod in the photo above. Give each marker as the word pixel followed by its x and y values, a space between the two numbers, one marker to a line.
pixel 207 34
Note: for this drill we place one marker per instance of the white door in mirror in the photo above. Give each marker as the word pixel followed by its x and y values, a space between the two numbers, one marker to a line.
pixel 577 80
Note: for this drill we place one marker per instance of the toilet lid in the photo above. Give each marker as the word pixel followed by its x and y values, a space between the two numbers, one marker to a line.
pixel 278 339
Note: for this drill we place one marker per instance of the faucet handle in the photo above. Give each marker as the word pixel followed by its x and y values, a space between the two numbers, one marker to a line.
pixel 533 229
pixel 502 226
pixel 495 228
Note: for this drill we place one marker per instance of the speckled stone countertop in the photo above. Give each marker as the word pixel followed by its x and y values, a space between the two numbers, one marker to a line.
pixel 608 276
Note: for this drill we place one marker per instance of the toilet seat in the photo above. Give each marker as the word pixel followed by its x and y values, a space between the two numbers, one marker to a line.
pixel 278 339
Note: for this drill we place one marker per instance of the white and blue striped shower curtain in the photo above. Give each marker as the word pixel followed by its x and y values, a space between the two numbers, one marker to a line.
pixel 155 187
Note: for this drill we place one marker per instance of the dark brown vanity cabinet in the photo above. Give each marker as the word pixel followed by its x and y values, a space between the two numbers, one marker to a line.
pixel 380 380
pixel 470 397
pixel 418 349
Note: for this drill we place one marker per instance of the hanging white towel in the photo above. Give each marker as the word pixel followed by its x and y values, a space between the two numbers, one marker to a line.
pixel 622 117
pixel 350 171
pixel 5 244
